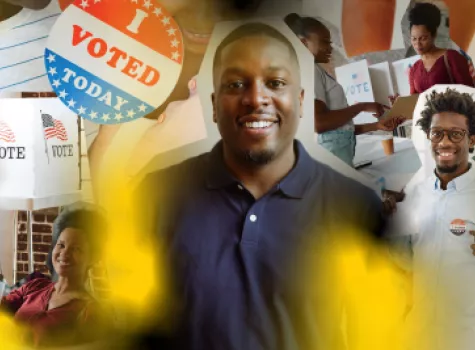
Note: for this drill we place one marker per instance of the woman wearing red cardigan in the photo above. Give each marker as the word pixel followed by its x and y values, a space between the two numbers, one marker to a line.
pixel 61 312
pixel 437 65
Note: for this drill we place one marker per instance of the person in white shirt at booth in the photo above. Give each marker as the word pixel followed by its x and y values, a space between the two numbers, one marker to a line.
pixel 434 226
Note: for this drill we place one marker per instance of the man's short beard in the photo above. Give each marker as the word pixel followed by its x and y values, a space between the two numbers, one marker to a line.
pixel 447 169
pixel 258 157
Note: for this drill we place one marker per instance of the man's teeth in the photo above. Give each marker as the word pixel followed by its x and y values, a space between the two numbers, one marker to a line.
pixel 258 125
pixel 445 154
pixel 201 35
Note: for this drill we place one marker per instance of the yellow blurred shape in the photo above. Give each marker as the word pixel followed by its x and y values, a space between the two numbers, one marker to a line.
pixel 359 271
pixel 134 261
pixel 11 334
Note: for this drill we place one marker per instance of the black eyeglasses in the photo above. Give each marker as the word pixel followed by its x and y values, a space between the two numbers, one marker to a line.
pixel 455 135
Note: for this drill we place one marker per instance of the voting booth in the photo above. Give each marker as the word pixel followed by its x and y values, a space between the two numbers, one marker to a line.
pixel 356 82
pixel 39 161
pixel 381 81
pixel 401 73
pixel 39 154
pixel 373 83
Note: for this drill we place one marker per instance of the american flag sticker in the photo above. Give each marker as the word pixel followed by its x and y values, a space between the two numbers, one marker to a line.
pixel 53 128
pixel 113 61
pixel 6 133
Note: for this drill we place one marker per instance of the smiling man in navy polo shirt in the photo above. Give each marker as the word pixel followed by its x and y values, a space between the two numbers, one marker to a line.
pixel 237 220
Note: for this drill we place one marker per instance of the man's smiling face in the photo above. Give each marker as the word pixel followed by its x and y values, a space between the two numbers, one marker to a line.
pixel 258 98
pixel 451 156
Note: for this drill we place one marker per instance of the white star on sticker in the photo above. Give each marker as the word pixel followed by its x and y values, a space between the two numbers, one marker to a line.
pixel 175 55
pixel 171 31
pixel 130 113
pixel 174 43
pixel 52 70
pixel 105 116
pixel 84 4
pixel 71 103
pixel 63 94
pixel 51 58
pixel 56 83
pixel 147 4
pixel 142 108
pixel 93 115
pixel 157 11
pixel 166 20
pixel 118 116
pixel 81 110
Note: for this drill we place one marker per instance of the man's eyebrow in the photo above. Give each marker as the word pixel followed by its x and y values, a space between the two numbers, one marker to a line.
pixel 233 70
pixel 241 71
pixel 273 69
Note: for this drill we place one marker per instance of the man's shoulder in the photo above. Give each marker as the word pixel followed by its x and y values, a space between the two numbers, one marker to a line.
pixel 346 201
pixel 191 169
pixel 169 185
pixel 336 182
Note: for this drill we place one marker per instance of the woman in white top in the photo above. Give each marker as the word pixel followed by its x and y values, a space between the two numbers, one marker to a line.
pixel 333 116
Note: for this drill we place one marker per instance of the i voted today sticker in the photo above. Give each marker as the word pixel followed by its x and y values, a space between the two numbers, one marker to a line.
pixel 113 61
pixel 458 227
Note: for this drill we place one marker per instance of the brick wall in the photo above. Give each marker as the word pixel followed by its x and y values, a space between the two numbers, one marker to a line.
pixel 42 237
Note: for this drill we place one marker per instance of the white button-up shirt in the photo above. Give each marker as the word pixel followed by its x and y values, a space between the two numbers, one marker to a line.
pixel 443 314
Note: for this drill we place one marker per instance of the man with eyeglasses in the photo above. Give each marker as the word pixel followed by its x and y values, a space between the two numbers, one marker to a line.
pixel 435 225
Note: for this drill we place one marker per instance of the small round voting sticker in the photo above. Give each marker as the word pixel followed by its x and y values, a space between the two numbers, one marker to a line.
pixel 458 227
pixel 113 61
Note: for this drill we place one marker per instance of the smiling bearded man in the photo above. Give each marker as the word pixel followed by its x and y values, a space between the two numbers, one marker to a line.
pixel 238 219
pixel 436 221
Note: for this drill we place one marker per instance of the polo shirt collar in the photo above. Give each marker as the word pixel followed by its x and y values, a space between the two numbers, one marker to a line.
pixel 459 183
pixel 218 176
pixel 293 185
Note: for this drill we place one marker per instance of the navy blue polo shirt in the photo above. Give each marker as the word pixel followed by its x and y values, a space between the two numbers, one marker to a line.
pixel 236 260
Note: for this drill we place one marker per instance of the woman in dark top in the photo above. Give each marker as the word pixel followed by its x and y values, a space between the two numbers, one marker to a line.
pixel 437 65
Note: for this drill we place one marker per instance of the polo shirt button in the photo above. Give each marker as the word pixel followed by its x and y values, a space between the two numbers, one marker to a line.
pixel 240 187
pixel 253 218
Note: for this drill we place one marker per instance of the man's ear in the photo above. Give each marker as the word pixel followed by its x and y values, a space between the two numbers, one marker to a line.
pixel 213 102
pixel 304 40
pixel 301 98
pixel 471 142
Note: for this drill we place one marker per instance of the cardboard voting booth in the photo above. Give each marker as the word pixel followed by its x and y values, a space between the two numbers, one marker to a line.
pixel 356 82
pixel 381 81
pixel 401 73
pixel 39 154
